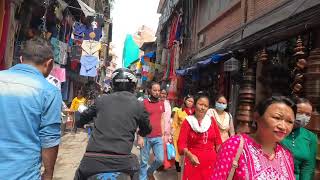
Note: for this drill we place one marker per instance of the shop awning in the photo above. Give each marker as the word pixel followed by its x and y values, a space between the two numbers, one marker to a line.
pixel 150 55
pixel 87 10
pixel 213 59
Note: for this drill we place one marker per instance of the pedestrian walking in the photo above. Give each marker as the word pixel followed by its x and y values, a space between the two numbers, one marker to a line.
pixel 154 140
pixel 167 128
pixel 180 115
pixel 30 109
pixel 302 143
pixel 223 118
pixel 118 115
pixel 260 155
pixel 199 141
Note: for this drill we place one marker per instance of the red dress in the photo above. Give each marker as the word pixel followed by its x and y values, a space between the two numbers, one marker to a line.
pixel 201 145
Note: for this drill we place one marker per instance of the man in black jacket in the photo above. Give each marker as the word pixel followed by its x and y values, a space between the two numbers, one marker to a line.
pixel 118 116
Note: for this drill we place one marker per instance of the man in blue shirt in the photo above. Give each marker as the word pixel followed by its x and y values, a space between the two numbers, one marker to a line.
pixel 30 110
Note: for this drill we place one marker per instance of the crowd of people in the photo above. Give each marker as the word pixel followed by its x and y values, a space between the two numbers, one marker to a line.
pixel 206 146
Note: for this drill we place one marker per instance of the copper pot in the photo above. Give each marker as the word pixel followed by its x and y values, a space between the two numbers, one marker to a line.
pixel 244 118
pixel 247 91
pixel 247 96
pixel 244 113
pixel 245 107
pixel 312 57
pixel 247 100
pixel 302 63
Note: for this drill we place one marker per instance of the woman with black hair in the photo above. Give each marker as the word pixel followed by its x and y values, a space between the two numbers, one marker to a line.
pixel 223 118
pixel 179 116
pixel 199 142
pixel 260 155
pixel 302 143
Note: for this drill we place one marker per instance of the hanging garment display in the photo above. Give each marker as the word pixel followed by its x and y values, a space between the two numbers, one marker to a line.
pixel 164 56
pixel 151 71
pixel 79 30
pixel 60 49
pixel 89 65
pixel 4 35
pixel 59 73
pixel 56 49
pixel 91 47
pixel 97 31
pixel 63 53
pixel 172 93
pixel 76 52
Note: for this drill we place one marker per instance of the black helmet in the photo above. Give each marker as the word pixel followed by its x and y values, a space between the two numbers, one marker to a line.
pixel 123 80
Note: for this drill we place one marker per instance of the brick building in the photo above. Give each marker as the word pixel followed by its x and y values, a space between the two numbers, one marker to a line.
pixel 201 40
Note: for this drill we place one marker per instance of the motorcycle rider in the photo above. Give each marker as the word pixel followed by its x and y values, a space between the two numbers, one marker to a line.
pixel 118 115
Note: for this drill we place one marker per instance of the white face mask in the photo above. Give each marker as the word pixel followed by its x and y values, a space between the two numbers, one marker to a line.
pixel 302 120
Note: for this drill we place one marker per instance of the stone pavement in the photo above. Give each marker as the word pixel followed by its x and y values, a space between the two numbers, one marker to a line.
pixel 70 154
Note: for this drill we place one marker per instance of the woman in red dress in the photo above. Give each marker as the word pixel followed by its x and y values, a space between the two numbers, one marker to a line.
pixel 199 141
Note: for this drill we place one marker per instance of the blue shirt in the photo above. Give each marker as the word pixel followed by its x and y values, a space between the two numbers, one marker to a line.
pixel 30 110
pixel 89 65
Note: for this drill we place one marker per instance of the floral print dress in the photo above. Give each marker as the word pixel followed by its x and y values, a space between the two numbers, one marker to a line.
pixel 253 162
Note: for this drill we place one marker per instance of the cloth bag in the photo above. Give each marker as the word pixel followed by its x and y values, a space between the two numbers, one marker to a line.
pixel 171 153
pixel 167 164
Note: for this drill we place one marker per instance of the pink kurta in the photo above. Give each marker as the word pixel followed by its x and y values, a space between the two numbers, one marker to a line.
pixel 253 163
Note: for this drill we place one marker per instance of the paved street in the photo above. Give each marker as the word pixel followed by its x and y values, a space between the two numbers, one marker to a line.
pixel 71 151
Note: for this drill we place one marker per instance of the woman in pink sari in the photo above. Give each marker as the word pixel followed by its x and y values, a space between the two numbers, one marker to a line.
pixel 262 156
pixel 167 128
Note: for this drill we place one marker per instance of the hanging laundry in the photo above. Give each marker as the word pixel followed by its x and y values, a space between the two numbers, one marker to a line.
pixel 173 30
pixel 63 53
pixel 90 47
pixel 97 31
pixel 79 30
pixel 4 34
pixel 76 52
pixel 172 93
pixel 151 71
pixel 56 49
pixel 60 49
pixel 89 65
pixel 59 73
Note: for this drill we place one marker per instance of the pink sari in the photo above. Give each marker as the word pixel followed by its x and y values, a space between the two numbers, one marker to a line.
pixel 253 163
pixel 167 131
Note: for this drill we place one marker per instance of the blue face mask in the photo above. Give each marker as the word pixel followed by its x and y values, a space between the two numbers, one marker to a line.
pixel 220 106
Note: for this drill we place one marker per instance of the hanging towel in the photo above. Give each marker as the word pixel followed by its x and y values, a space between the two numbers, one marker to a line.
pixel 89 66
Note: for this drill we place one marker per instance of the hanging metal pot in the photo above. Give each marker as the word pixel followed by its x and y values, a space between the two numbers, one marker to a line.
pixel 247 90
pixel 246 107
pixel 247 96
pixel 244 118
pixel 244 113
pixel 247 100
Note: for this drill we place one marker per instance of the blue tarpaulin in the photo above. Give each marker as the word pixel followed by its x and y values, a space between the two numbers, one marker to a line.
pixel 211 60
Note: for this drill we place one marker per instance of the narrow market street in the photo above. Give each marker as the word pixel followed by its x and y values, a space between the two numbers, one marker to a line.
pixel 225 88
pixel 71 151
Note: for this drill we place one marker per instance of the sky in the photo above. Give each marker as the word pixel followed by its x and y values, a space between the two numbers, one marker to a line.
pixel 127 16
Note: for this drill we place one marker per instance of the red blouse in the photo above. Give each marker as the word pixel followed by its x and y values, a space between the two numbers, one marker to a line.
pixel 202 145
